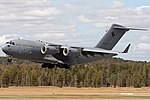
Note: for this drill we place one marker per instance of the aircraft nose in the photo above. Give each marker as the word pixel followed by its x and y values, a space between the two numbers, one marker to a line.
pixel 4 48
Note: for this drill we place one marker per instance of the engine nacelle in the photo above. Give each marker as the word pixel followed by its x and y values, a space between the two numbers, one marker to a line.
pixel 71 52
pixel 49 50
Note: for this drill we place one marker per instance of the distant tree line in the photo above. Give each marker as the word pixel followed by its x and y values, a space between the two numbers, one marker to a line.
pixel 104 73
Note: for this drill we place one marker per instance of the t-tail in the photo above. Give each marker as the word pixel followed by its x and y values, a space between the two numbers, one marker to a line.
pixel 113 35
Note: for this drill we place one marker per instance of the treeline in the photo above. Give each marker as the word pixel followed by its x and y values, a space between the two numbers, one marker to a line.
pixel 104 73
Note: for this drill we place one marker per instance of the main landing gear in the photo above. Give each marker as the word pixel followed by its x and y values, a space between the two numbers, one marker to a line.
pixel 50 66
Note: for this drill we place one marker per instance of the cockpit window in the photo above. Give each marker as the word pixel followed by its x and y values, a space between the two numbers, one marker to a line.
pixel 7 42
pixel 11 42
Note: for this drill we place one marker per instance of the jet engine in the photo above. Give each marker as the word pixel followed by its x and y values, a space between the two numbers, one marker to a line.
pixel 49 50
pixel 71 52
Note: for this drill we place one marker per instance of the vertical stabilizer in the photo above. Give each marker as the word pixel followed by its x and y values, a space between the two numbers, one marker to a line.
pixel 112 37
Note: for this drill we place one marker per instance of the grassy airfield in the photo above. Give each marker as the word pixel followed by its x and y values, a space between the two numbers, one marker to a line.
pixel 72 93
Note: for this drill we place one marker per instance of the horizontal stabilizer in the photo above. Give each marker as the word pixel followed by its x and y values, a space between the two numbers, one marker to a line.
pixel 127 49
pixel 125 28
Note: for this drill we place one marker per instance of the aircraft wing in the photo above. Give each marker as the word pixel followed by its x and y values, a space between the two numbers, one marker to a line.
pixel 103 51
pixel 92 50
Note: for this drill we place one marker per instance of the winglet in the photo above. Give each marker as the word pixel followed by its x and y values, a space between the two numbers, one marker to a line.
pixel 127 49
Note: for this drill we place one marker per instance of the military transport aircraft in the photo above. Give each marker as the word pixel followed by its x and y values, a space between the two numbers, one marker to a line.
pixel 63 56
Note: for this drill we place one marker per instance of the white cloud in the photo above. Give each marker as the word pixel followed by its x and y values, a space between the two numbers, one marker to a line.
pixel 143 46
pixel 47 36
pixel 82 18
pixel 117 13
pixel 33 16
pixel 144 9
pixel 118 4
pixel 35 1
pixel 144 38
pixel 51 11
pixel 110 18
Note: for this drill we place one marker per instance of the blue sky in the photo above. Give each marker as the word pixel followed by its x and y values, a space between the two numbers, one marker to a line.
pixel 77 22
pixel 133 3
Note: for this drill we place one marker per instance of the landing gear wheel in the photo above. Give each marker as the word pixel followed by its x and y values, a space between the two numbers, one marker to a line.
pixel 66 66
pixel 9 60
pixel 50 66
pixel 47 65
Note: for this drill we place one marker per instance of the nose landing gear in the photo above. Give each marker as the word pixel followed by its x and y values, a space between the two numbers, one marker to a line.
pixel 9 59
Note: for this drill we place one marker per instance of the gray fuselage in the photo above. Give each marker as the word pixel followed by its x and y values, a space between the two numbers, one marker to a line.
pixel 31 50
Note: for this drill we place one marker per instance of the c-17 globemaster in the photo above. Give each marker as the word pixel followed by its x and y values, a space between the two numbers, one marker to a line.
pixel 63 56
